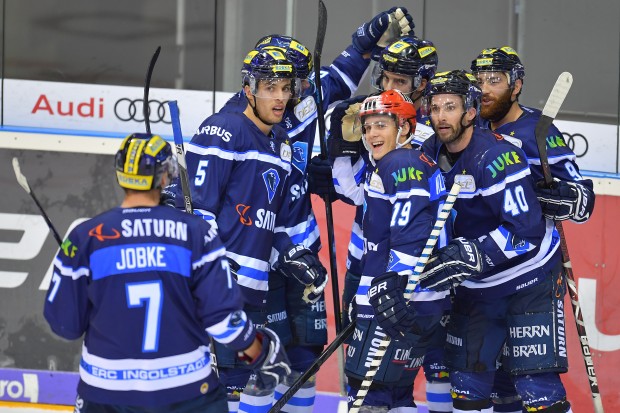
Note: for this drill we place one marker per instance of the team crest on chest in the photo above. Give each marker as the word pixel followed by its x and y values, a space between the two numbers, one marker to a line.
pixel 272 180
pixel 376 183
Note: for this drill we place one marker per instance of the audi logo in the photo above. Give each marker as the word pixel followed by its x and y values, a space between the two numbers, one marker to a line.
pixel 577 143
pixel 127 109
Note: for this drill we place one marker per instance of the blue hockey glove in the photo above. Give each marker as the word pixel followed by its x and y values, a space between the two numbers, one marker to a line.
pixel 344 138
pixel 320 180
pixel 386 295
pixel 451 265
pixel 382 30
pixel 300 263
pixel 565 200
pixel 272 364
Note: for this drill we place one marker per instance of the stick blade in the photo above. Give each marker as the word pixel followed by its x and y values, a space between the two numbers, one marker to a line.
pixel 558 94
pixel 21 179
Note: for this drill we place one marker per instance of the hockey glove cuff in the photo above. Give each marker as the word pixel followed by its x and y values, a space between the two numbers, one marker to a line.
pixel 451 265
pixel 565 200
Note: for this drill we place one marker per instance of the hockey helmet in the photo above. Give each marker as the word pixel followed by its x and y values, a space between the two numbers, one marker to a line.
pixel 294 51
pixel 499 59
pixel 407 56
pixel 455 82
pixel 142 159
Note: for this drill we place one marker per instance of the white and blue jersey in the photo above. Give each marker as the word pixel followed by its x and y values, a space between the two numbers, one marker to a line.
pixel 402 198
pixel 562 160
pixel 339 81
pixel 498 206
pixel 240 177
pixel 143 285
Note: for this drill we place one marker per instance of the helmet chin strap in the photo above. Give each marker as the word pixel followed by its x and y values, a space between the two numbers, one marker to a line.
pixel 409 138
pixel 255 111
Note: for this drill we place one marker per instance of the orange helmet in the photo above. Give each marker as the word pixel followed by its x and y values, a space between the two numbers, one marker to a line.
pixel 393 103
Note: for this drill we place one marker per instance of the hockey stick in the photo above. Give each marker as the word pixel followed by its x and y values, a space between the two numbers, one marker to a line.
pixel 411 283
pixel 178 143
pixel 147 85
pixel 329 217
pixel 314 368
pixel 559 92
pixel 23 182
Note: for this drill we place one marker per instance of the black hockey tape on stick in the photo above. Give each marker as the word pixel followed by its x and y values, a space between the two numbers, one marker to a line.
pixel 314 367
pixel 550 111
pixel 23 182
pixel 147 85
pixel 411 283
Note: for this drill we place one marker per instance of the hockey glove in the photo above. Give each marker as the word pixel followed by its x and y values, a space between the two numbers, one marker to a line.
pixel 451 265
pixel 300 263
pixel 272 364
pixel 168 195
pixel 565 200
pixel 386 295
pixel 320 180
pixel 344 138
pixel 384 28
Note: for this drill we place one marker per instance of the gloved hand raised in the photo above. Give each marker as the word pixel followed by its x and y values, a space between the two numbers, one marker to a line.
pixel 320 180
pixel 344 139
pixel 302 264
pixel 451 265
pixel 272 364
pixel 565 200
pixel 382 30
pixel 386 295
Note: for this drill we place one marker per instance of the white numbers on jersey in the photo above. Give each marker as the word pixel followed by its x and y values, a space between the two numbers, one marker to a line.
pixel 201 174
pixel 572 171
pixel 400 214
pixel 515 204
pixel 150 293
pixel 56 282
pixel 226 267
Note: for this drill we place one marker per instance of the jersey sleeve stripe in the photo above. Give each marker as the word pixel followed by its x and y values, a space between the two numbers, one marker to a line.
pixel 210 257
pixel 70 272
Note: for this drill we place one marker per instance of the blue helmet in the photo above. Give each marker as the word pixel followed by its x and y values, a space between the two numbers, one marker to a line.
pixel 455 82
pixel 499 59
pixel 268 64
pixel 141 161
pixel 294 51
pixel 409 56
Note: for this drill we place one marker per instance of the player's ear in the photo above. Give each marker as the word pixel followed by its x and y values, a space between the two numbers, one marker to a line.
pixel 517 88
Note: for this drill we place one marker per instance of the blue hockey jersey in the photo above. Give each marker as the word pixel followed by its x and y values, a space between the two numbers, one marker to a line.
pixel 497 205
pixel 562 159
pixel 338 81
pixel 143 284
pixel 240 177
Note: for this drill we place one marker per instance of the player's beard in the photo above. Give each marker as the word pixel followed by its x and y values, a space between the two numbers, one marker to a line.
pixel 455 136
pixel 498 110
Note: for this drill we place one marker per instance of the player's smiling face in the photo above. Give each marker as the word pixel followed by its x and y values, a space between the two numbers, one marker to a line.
pixel 380 134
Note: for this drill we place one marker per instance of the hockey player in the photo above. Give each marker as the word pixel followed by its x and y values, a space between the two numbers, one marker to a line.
pixel 401 194
pixel 239 164
pixel 506 258
pixel 164 273
pixel 500 74
pixel 301 325
pixel 406 65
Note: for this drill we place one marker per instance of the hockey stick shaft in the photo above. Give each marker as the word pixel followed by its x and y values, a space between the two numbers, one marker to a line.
pixel 559 92
pixel 185 188
pixel 411 283
pixel 314 367
pixel 178 143
pixel 329 217
pixel 23 182
pixel 147 85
